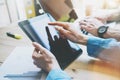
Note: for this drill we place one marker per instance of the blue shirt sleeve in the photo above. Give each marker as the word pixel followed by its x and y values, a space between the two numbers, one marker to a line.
pixel 56 74
pixel 95 45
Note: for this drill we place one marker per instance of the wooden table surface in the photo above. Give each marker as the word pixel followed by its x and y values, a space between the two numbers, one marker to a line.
pixel 7 44
pixel 88 68
pixel 84 68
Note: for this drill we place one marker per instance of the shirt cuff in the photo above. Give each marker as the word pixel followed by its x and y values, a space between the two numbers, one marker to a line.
pixel 56 74
pixel 95 45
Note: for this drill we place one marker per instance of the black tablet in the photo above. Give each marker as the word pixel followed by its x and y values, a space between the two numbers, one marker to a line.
pixel 38 30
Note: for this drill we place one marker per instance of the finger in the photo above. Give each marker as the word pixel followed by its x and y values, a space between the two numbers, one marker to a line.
pixel 62 36
pixel 35 55
pixel 38 47
pixel 83 23
pixel 62 24
pixel 83 27
pixel 62 31
pixel 41 49
pixel 35 63
pixel 86 28
pixel 87 23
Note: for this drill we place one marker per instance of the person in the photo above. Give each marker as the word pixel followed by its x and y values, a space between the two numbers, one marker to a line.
pixel 92 23
pixel 104 49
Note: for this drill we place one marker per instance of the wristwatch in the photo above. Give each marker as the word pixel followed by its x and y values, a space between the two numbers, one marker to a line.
pixel 102 30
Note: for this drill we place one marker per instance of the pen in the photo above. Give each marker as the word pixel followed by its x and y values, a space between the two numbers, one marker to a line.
pixel 16 36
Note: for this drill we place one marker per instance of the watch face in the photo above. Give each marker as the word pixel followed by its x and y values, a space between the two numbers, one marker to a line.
pixel 102 30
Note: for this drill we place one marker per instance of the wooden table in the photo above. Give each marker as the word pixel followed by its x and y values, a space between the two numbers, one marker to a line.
pixel 7 44
pixel 87 68
pixel 84 68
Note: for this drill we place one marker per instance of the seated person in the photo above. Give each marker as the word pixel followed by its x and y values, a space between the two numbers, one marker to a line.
pixel 105 49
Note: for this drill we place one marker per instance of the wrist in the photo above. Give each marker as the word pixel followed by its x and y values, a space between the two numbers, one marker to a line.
pixel 108 33
pixel 102 30
pixel 83 40
pixel 53 65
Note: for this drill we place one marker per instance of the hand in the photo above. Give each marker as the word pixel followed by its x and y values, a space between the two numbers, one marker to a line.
pixel 101 15
pixel 91 25
pixel 67 30
pixel 44 59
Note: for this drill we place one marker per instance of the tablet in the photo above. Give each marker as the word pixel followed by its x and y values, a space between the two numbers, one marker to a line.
pixel 38 30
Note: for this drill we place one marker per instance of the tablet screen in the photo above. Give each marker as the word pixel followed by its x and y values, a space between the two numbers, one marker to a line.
pixel 64 50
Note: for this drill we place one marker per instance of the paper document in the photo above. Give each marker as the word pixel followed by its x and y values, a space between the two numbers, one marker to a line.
pixel 19 66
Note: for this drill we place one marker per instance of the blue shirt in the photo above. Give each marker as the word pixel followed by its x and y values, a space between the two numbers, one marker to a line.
pixel 94 46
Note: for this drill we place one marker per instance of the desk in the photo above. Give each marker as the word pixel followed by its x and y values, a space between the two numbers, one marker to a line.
pixel 7 44
pixel 84 68
pixel 87 68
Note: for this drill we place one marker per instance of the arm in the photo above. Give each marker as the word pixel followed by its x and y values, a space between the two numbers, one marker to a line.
pixel 107 14
pixel 107 50
pixel 114 15
pixel 91 25
pixel 104 49
pixel 112 33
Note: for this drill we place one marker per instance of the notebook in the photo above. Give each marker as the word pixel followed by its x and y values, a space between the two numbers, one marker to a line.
pixel 38 30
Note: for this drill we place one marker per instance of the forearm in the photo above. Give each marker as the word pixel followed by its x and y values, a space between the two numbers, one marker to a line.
pixel 105 15
pixel 95 45
pixel 83 40
pixel 107 50
pixel 112 33
pixel 113 15
pixel 111 54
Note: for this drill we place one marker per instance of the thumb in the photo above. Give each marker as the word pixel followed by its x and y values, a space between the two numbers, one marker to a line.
pixel 38 46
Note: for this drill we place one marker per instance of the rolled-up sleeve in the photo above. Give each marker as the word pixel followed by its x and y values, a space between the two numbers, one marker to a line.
pixel 95 45
pixel 58 75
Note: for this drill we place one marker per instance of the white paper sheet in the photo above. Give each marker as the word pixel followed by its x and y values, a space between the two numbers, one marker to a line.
pixel 19 66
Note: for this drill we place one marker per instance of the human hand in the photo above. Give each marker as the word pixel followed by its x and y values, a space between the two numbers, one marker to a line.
pixel 44 59
pixel 101 15
pixel 67 30
pixel 90 25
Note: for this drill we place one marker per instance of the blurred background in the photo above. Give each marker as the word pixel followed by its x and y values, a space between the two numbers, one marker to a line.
pixel 63 10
